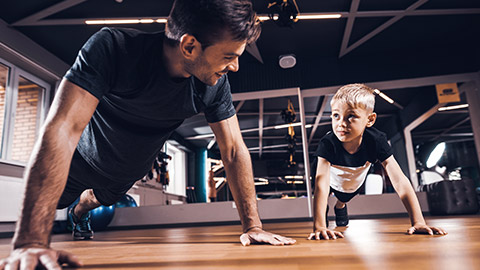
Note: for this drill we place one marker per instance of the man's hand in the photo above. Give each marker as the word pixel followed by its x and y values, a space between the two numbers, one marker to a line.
pixel 325 233
pixel 29 258
pixel 425 229
pixel 259 236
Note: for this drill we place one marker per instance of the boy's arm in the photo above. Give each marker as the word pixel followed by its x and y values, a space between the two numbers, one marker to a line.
pixel 320 201
pixel 409 199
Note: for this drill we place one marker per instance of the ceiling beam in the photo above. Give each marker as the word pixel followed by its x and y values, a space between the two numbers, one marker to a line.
pixel 35 18
pixel 318 118
pixel 397 84
pixel 349 26
pixel 382 27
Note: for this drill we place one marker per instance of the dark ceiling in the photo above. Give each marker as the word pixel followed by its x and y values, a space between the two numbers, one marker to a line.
pixel 374 40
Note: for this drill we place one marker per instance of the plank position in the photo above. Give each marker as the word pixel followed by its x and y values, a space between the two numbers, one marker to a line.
pixel 125 94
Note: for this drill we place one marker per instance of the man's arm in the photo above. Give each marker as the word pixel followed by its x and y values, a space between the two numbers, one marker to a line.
pixel 238 167
pixel 47 171
pixel 409 199
pixel 320 201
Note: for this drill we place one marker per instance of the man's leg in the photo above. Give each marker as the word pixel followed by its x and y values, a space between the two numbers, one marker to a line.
pixel 87 202
pixel 80 217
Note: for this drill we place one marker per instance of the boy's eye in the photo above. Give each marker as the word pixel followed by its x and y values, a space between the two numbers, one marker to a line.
pixel 228 58
pixel 335 116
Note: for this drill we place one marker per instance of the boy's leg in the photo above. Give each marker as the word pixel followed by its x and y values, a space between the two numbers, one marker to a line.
pixel 341 214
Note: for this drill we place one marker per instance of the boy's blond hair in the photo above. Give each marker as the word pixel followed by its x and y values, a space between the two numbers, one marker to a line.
pixel 356 95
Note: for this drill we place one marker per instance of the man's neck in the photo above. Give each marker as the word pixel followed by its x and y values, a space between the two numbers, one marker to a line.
pixel 173 61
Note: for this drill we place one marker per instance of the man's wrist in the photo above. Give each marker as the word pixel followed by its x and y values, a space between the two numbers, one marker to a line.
pixel 30 245
pixel 252 227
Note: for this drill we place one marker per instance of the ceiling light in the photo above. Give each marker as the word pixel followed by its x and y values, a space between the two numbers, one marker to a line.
pixel 125 21
pixel 293 176
pixel 308 16
pixel 436 154
pixel 295 182
pixel 388 99
pixel 319 16
pixel 211 143
pixel 287 61
pixel 293 125
pixel 454 107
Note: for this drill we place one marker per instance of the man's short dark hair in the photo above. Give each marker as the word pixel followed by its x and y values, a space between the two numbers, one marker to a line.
pixel 207 20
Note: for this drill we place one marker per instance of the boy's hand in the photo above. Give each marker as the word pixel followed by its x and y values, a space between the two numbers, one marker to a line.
pixel 325 233
pixel 425 229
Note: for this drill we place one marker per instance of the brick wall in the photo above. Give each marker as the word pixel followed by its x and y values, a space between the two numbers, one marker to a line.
pixel 25 123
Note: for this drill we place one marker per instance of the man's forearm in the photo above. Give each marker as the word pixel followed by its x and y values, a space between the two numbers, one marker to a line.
pixel 240 180
pixel 45 178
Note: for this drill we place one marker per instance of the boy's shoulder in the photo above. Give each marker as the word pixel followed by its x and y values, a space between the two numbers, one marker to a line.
pixel 374 134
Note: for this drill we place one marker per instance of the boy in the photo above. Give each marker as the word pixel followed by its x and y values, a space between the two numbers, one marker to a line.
pixel 345 156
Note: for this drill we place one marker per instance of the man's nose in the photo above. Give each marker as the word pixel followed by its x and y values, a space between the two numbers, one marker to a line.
pixel 233 66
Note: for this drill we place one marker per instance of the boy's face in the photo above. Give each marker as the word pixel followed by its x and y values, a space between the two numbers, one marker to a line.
pixel 213 62
pixel 348 123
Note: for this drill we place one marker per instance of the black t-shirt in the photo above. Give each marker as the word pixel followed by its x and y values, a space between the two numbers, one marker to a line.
pixel 348 171
pixel 140 106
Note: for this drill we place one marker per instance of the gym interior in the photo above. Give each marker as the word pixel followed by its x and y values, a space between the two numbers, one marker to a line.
pixel 421 57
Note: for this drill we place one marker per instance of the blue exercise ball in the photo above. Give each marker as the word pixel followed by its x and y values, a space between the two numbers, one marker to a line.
pixel 101 217
pixel 126 201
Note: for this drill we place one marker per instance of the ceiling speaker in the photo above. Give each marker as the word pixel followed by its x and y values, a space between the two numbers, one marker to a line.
pixel 287 61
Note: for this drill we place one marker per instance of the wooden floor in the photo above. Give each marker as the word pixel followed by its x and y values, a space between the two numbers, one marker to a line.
pixel 368 244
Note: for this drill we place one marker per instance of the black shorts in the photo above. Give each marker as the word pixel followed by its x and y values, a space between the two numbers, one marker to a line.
pixel 342 196
pixel 82 176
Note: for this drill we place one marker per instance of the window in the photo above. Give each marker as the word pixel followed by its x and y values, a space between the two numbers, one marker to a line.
pixel 4 72
pixel 176 170
pixel 26 119
pixel 22 110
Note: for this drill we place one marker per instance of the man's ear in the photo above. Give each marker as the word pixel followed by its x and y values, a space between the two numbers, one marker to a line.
pixel 371 119
pixel 189 46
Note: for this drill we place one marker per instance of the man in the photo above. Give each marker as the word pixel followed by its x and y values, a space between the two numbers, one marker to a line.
pixel 124 95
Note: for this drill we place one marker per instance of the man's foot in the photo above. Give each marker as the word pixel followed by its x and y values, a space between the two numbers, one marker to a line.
pixel 81 229
pixel 341 216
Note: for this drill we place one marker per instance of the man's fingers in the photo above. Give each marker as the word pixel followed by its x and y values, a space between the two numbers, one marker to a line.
pixel 28 262
pixel 285 240
pixel 311 236
pixel 339 234
pixel 12 265
pixel 245 239
pixel 48 262
pixel 411 230
pixel 68 258
pixel 324 235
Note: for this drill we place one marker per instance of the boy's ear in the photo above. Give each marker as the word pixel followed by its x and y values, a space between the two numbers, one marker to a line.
pixel 371 119
pixel 189 46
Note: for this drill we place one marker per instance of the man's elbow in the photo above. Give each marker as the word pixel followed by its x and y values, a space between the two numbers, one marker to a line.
pixel 233 154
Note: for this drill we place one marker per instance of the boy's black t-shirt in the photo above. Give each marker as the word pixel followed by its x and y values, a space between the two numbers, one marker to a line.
pixel 348 171
pixel 140 106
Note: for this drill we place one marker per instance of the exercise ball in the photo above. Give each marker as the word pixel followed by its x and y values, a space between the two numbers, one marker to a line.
pixel 126 201
pixel 101 217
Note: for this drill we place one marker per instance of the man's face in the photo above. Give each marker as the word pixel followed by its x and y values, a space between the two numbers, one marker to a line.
pixel 349 123
pixel 216 60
